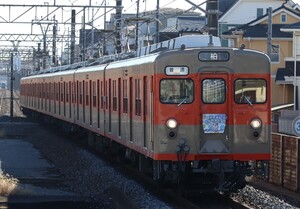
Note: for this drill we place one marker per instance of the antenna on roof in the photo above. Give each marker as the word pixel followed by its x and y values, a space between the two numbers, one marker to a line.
pixel 182 47
pixel 210 43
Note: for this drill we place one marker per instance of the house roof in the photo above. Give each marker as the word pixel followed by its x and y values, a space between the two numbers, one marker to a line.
pixel 256 29
pixel 234 9
pixel 283 74
pixel 225 5
pixel 260 31
pixel 289 10
pixel 292 26
pixel 186 24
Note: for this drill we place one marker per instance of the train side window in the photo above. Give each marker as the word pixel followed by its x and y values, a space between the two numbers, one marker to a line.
pixel 67 92
pixel 137 97
pixel 102 95
pixel 62 90
pixel 125 97
pixel 213 91
pixel 176 91
pixel 250 91
pixel 80 93
pixel 94 93
pixel 57 91
pixel 114 95
pixel 87 93
pixel 62 86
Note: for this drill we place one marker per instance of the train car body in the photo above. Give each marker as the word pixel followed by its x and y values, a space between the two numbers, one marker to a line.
pixel 197 116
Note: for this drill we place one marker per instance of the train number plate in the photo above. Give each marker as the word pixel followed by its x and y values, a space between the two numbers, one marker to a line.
pixel 214 123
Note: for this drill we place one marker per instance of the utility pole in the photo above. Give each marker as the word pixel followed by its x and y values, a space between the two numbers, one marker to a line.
pixel 54 44
pixel 39 57
pixel 11 86
pixel 157 22
pixel 44 46
pixel 212 13
pixel 72 46
pixel 104 35
pixel 84 36
pixel 118 25
pixel 93 33
pixel 137 24
pixel 269 42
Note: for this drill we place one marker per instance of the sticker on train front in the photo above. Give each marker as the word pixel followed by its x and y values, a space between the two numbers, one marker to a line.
pixel 214 123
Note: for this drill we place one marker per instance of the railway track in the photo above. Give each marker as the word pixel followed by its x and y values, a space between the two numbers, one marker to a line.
pixel 174 198
pixel 171 196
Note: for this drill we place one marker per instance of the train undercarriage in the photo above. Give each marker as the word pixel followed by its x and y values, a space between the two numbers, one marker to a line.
pixel 198 176
pixel 204 176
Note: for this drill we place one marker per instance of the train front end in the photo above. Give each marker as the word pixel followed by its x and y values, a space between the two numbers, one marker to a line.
pixel 212 118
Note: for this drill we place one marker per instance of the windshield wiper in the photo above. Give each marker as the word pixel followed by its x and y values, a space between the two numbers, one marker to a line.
pixel 247 100
pixel 182 101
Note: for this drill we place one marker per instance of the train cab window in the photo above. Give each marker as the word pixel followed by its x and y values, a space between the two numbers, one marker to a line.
pixel 213 91
pixel 250 91
pixel 176 91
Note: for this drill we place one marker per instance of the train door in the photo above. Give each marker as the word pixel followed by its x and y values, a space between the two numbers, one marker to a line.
pixel 98 103
pixel 79 97
pixel 64 98
pixel 130 108
pixel 45 97
pixel 54 97
pixel 70 99
pixel 42 96
pixel 50 95
pixel 84 85
pixel 38 96
pixel 119 107
pixel 214 105
pixel 102 106
pixel 105 106
pixel 145 110
pixel 58 99
pixel 109 105
pixel 91 93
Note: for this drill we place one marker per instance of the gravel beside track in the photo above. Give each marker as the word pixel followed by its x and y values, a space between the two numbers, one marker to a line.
pixel 256 198
pixel 88 175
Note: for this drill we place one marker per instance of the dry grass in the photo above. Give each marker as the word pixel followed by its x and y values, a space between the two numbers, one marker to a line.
pixel 7 184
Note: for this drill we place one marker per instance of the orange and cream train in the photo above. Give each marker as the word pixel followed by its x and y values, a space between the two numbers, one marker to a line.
pixel 190 116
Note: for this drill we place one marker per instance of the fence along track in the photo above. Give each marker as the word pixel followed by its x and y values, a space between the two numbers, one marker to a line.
pixel 5 97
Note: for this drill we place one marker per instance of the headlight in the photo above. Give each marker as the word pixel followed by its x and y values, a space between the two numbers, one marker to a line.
pixel 171 123
pixel 255 123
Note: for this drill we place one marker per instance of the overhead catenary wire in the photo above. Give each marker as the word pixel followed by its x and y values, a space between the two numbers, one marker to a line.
pixel 162 12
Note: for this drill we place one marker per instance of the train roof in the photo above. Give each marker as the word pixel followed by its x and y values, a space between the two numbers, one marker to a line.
pixel 189 41
pixel 149 55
